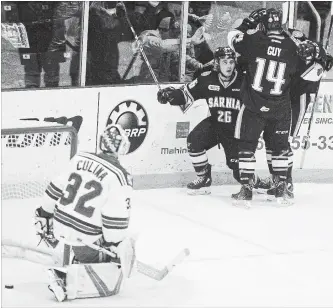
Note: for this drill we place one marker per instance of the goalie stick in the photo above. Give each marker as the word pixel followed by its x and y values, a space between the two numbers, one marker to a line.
pixel 47 257
pixel 146 269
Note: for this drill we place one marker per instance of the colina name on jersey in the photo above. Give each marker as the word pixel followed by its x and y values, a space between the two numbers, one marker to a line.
pixel 224 102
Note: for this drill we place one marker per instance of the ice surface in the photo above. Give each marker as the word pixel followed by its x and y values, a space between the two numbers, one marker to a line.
pixel 262 257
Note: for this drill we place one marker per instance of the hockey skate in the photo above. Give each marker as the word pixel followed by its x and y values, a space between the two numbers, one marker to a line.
pixel 201 185
pixel 262 185
pixel 271 193
pixel 244 197
pixel 57 284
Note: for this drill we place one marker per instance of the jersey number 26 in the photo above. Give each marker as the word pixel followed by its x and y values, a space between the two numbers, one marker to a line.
pixel 92 190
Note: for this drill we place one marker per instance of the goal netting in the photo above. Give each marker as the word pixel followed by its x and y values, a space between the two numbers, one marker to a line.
pixel 33 156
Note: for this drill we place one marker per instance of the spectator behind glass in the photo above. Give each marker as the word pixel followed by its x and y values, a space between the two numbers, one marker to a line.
pixel 105 32
pixel 160 47
pixel 44 53
pixel 191 64
pixel 152 12
pixel 70 13
pixel 157 52
pixel 304 11
pixel 197 11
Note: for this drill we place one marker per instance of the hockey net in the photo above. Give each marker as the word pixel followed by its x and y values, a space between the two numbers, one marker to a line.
pixel 33 156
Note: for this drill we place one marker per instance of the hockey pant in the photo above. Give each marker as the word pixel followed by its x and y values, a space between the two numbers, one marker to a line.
pixel 249 127
pixel 205 136
pixel 298 110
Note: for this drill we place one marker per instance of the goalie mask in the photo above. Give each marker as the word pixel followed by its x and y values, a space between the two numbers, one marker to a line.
pixel 225 61
pixel 114 140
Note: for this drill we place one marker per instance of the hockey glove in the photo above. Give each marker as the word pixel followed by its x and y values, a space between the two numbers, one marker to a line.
pixel 44 227
pixel 329 62
pixel 307 50
pixel 164 95
pixel 252 21
pixel 255 16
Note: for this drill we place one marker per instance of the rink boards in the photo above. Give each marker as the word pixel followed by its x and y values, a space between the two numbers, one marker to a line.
pixel 158 154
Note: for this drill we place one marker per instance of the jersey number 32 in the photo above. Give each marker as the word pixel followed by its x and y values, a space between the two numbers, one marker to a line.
pixel 92 189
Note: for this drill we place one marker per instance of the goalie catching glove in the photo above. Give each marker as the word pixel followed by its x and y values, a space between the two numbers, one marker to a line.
pixel 44 227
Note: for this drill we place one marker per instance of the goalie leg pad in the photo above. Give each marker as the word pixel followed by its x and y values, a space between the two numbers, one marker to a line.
pixel 93 280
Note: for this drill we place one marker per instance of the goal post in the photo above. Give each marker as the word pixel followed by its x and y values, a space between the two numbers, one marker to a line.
pixel 32 156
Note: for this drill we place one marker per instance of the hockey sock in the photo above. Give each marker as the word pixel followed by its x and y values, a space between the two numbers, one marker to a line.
pixel 199 161
pixel 269 160
pixel 247 161
pixel 280 164
pixel 290 163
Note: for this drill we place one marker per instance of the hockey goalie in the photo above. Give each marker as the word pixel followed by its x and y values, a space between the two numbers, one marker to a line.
pixel 88 208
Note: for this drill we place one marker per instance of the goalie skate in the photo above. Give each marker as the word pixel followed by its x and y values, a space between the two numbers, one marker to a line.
pixel 201 185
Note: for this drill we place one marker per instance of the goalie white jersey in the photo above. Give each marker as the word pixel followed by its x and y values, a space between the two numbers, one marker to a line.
pixel 90 200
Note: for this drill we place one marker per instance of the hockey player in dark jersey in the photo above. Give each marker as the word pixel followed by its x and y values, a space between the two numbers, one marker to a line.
pixel 302 92
pixel 272 61
pixel 220 88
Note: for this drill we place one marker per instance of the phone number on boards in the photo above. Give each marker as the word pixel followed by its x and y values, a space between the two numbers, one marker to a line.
pixel 322 143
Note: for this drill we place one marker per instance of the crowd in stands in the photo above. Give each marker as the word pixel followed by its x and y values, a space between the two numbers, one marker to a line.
pixel 47 33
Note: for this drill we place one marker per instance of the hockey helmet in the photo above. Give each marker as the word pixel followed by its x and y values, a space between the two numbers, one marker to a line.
pixel 114 140
pixel 225 53
pixel 272 20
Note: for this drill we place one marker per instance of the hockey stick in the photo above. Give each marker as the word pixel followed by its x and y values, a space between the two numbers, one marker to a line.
pixel 156 274
pixel 141 48
pixel 307 137
pixel 13 249
pixel 130 65
pixel 330 28
pixel 47 257
pixel 146 269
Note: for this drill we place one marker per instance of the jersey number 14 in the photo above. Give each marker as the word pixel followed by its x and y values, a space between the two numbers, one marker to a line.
pixel 275 74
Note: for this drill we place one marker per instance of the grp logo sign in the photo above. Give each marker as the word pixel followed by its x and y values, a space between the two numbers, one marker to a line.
pixel 132 117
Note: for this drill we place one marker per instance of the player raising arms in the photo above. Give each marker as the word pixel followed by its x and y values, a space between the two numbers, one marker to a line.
pixel 90 205
pixel 303 91
pixel 272 61
pixel 220 88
